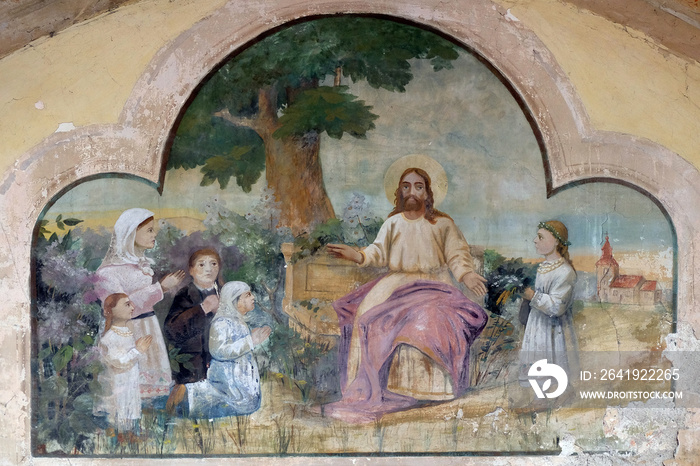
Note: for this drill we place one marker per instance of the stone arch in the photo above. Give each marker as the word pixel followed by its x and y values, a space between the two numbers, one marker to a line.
pixel 575 151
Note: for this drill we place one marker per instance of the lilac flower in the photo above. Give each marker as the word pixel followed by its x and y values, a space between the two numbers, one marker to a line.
pixel 267 211
pixel 56 326
pixel 60 270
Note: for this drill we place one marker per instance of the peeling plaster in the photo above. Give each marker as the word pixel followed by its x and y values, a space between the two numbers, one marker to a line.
pixel 555 86
pixel 65 127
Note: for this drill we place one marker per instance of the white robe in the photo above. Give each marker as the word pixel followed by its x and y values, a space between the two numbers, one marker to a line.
pixel 120 399
pixel 232 386
pixel 412 250
pixel 549 333
pixel 130 279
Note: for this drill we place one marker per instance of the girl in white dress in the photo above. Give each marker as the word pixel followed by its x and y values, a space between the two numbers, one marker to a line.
pixel 549 333
pixel 120 399
pixel 126 269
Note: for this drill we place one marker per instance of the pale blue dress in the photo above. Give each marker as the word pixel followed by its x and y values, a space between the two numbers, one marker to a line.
pixel 232 386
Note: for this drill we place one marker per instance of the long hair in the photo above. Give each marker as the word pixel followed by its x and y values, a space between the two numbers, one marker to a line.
pixel 110 302
pixel 561 234
pixel 143 224
pixel 431 213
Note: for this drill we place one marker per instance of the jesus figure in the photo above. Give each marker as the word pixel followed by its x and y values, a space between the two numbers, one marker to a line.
pixel 415 304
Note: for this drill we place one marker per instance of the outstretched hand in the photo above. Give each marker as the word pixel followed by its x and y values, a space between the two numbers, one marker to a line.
pixel 475 282
pixel 172 280
pixel 343 251
pixel 260 334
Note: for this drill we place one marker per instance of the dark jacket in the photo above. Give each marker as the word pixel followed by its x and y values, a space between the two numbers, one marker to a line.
pixel 187 329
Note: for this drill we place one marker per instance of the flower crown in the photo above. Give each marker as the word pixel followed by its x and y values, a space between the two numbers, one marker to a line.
pixel 554 232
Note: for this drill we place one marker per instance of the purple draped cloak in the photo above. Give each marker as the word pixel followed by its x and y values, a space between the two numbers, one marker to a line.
pixel 433 317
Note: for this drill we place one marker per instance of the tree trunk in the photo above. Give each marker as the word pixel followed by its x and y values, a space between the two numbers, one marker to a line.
pixel 338 76
pixel 293 171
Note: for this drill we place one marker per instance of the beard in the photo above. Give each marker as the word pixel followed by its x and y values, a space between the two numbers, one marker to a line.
pixel 412 203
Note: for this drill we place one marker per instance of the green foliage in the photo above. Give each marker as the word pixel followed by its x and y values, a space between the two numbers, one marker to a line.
pixel 329 109
pixel 295 360
pixel 262 263
pixel 330 231
pixel 67 363
pixel 179 360
pixel 494 347
pixel 61 358
pixel 289 68
pixel 65 399
pixel 222 149
pixel 241 163
pixel 311 305
pixel 492 260
pixel 60 222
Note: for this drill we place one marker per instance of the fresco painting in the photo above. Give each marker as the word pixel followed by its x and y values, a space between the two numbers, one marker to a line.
pixel 284 170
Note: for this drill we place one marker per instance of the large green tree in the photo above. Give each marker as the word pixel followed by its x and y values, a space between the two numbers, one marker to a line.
pixel 266 108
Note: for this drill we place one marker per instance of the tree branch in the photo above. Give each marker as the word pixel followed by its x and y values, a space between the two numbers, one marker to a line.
pixel 235 120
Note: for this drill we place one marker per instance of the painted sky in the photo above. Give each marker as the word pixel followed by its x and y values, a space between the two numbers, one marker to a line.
pixel 467 120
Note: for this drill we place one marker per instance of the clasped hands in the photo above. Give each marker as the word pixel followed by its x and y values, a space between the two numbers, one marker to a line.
pixel 260 334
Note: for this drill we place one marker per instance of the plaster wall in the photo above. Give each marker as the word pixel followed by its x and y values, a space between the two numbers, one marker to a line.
pixel 84 74
pixel 627 82
pixel 609 101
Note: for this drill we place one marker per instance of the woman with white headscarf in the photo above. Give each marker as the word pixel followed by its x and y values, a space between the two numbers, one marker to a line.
pixel 126 269
pixel 232 386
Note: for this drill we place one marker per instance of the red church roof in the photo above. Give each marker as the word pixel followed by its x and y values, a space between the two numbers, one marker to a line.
pixel 626 281
pixel 607 257
pixel 649 285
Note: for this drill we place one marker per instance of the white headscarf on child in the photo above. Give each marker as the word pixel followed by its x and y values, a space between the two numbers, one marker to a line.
pixel 121 247
pixel 230 293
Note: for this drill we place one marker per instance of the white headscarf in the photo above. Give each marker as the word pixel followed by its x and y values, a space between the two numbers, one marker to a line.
pixel 230 293
pixel 121 247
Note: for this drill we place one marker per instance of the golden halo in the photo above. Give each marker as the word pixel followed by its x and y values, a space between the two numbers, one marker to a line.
pixel 438 177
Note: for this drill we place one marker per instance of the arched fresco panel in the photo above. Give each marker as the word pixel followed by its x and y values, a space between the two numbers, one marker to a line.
pixel 355 109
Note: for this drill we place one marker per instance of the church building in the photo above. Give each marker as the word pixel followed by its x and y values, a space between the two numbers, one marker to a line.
pixel 622 289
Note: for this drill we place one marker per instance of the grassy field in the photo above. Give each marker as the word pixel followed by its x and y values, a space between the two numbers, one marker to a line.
pixel 482 421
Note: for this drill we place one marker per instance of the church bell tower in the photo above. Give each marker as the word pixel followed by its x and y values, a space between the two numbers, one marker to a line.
pixel 607 269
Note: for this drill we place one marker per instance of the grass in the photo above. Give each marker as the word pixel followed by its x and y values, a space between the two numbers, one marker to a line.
pixel 480 421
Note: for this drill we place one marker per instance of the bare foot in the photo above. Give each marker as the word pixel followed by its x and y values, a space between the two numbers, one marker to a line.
pixel 177 394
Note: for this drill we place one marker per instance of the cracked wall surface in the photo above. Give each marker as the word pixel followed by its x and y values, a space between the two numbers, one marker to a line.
pixel 611 104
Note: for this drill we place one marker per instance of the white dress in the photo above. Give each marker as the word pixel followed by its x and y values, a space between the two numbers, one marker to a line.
pixel 549 333
pixel 120 399
pixel 130 279
pixel 126 270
